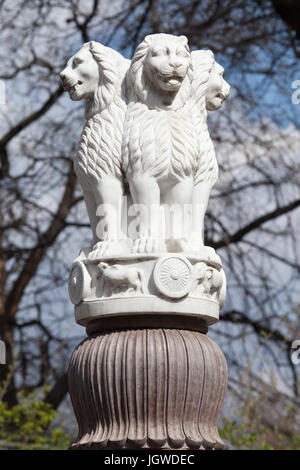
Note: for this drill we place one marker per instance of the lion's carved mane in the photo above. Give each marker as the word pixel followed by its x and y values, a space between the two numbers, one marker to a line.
pixel 99 149
pixel 206 166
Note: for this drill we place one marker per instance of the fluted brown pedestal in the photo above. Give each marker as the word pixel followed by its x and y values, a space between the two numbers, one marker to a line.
pixel 157 383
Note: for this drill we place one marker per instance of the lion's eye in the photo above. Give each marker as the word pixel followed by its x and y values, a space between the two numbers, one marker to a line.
pixel 159 52
pixel 181 54
pixel 76 62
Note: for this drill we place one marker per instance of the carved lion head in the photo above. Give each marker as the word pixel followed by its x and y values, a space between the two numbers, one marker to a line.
pixel 217 88
pixel 95 73
pixel 160 69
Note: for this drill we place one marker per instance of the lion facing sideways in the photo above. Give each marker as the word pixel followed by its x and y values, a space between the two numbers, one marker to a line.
pixel 95 73
pixel 168 156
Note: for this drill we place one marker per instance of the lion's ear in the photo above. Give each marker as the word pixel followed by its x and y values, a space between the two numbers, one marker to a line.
pixel 184 40
pixel 93 44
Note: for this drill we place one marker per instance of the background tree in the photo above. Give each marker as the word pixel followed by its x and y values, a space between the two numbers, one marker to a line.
pixel 252 216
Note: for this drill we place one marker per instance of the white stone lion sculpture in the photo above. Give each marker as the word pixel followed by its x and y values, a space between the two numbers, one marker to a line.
pixel 168 156
pixel 95 73
pixel 146 123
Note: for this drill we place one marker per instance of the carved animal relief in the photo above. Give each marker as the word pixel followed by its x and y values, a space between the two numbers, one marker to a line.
pixel 122 279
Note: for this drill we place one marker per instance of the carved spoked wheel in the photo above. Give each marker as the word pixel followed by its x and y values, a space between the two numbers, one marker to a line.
pixel 79 282
pixel 172 276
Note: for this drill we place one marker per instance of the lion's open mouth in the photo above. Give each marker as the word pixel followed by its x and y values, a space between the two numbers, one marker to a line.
pixel 171 79
pixel 71 86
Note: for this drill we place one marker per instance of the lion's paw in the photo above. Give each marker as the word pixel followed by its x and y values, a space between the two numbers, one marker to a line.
pixel 182 245
pixel 105 247
pixel 146 245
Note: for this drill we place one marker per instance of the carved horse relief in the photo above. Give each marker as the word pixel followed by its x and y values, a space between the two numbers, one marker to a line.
pixel 122 279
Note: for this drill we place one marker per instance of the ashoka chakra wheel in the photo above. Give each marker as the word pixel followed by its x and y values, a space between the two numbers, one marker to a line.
pixel 172 276
pixel 79 283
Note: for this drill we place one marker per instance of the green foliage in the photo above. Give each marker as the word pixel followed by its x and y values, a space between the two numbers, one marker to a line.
pixel 262 420
pixel 240 437
pixel 29 425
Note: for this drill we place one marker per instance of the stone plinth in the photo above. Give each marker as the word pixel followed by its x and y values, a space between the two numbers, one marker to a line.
pixel 148 376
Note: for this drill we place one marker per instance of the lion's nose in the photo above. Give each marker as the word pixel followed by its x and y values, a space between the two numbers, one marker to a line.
pixel 226 88
pixel 62 75
pixel 174 62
